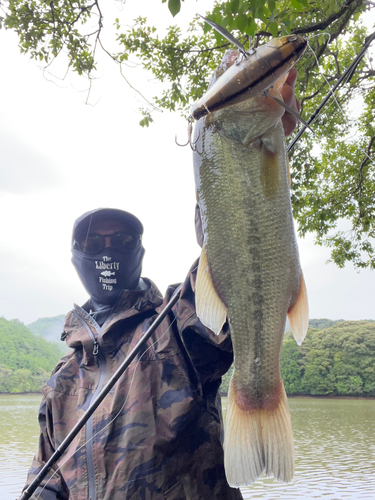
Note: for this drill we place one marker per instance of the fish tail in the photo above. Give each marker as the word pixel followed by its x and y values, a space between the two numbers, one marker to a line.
pixel 258 440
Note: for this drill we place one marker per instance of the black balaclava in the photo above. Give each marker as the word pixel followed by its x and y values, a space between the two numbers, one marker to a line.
pixel 107 274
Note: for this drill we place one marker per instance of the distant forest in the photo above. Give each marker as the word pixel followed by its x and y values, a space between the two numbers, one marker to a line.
pixel 48 328
pixel 26 360
pixel 336 358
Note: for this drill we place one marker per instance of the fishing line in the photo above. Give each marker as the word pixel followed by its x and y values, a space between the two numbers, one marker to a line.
pixel 114 418
pixel 319 68
pixel 320 71
pixel 331 89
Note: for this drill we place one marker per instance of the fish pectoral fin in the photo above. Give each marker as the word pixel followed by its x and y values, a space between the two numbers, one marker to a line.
pixel 269 171
pixel 298 314
pixel 210 308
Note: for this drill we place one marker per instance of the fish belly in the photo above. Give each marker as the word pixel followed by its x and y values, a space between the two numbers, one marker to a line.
pixel 252 256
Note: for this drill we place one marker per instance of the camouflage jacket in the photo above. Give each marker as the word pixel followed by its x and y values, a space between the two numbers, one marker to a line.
pixel 158 434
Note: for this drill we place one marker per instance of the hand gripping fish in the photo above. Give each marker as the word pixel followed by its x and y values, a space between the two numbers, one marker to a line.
pixel 249 272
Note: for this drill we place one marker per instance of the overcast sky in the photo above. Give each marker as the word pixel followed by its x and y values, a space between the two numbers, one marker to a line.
pixel 60 158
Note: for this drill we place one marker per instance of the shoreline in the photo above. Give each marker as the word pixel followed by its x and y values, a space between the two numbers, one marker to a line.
pixel 327 396
pixel 20 393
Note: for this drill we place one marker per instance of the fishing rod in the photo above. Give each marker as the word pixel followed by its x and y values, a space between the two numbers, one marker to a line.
pixel 346 76
pixel 94 405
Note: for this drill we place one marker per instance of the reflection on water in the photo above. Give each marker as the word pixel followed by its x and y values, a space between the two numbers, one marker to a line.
pixel 334 449
pixel 18 440
pixel 334 443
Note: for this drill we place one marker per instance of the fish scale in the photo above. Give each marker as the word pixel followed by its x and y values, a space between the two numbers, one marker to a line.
pixel 249 274
pixel 248 241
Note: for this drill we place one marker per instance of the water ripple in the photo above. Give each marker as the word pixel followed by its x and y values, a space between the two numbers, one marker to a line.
pixel 334 449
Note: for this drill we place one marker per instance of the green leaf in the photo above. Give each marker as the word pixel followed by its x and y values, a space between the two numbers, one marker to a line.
pixel 251 28
pixel 262 14
pixel 285 27
pixel 296 4
pixel 241 22
pixel 273 28
pixel 174 6
pixel 234 4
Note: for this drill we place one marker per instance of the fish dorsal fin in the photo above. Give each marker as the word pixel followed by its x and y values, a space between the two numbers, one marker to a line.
pixel 269 171
pixel 298 314
pixel 210 308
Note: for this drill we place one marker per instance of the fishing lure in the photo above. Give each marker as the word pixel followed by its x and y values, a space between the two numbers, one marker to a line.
pixel 254 73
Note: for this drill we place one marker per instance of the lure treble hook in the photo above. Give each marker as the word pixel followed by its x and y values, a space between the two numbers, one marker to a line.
pixel 190 133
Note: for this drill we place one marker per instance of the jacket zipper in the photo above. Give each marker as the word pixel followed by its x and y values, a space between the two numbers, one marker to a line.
pixel 89 428
pixel 95 352
pixel 100 362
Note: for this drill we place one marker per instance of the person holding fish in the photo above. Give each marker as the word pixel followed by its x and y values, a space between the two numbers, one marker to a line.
pixel 158 434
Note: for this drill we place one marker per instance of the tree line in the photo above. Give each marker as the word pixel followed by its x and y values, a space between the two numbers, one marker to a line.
pixel 338 360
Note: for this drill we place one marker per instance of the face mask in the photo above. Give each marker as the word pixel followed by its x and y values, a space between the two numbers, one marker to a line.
pixel 107 274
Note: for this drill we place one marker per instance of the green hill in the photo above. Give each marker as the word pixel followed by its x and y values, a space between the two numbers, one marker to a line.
pixel 48 328
pixel 319 324
pixel 322 323
pixel 26 360
pixel 338 360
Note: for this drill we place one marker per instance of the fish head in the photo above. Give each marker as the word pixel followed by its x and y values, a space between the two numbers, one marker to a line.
pixel 239 78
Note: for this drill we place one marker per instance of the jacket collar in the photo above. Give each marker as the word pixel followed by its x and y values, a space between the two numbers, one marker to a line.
pixel 79 323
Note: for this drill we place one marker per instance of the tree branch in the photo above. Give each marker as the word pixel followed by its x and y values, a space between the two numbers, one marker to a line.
pixel 344 9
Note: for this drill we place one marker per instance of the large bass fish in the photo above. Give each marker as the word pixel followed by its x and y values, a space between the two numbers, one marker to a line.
pixel 249 272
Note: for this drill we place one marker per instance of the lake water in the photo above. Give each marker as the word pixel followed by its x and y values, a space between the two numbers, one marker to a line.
pixel 334 448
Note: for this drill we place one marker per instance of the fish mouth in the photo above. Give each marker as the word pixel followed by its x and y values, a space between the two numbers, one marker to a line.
pixel 286 57
pixel 247 77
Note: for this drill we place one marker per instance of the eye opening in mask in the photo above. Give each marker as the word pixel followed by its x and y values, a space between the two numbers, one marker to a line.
pixel 95 243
